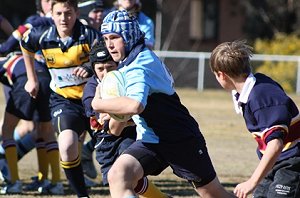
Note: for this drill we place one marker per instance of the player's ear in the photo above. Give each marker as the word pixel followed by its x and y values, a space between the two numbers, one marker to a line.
pixel 219 74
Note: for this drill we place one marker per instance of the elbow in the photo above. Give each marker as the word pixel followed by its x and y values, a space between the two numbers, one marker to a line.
pixel 94 105
pixel 137 108
pixel 140 109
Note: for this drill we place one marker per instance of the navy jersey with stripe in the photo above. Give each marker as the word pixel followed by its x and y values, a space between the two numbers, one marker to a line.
pixel 61 58
pixel 269 113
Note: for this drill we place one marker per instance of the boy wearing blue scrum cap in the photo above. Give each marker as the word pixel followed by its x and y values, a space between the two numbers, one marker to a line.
pixel 270 116
pixel 150 96
pixel 108 146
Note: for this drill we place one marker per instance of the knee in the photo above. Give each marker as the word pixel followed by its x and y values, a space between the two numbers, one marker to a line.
pixel 113 175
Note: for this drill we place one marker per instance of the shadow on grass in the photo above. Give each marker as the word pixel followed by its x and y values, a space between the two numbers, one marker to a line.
pixel 172 187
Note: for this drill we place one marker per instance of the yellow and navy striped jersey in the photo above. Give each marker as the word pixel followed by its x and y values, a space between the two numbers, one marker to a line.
pixel 62 57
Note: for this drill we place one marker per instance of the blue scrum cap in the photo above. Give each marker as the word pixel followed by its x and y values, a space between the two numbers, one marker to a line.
pixel 121 23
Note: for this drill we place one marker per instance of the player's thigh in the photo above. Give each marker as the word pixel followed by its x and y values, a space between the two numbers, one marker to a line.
pixel 149 159
pixel 68 115
pixel 20 103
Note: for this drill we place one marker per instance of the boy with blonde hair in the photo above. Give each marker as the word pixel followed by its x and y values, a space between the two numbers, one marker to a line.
pixel 270 116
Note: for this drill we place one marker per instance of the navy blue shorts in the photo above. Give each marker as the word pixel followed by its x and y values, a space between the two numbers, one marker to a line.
pixel 68 114
pixel 110 147
pixel 282 181
pixel 189 159
pixel 25 107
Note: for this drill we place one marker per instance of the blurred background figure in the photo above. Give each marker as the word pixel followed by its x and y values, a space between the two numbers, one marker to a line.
pixel 133 7
pixel 91 13
pixel 5 28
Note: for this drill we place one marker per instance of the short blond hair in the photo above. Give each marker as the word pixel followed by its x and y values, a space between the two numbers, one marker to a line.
pixel 232 58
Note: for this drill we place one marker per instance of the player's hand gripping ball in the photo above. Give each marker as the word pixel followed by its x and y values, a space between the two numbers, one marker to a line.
pixel 112 86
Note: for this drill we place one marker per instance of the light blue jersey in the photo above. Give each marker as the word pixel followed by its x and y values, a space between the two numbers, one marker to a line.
pixel 149 82
pixel 147 26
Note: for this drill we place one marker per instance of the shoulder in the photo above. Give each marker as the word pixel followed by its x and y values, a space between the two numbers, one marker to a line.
pixel 145 57
pixel 35 34
pixel 88 32
pixel 267 92
pixel 266 84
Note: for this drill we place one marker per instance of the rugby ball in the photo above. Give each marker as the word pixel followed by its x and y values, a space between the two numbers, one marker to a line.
pixel 112 86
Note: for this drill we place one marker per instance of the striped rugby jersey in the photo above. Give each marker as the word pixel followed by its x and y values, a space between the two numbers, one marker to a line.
pixel 61 58
pixel 269 113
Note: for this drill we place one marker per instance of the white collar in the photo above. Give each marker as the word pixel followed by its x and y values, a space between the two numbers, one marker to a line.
pixel 244 95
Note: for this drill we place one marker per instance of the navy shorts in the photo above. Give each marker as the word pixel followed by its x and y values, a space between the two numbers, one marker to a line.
pixel 189 159
pixel 68 114
pixel 109 147
pixel 282 181
pixel 25 107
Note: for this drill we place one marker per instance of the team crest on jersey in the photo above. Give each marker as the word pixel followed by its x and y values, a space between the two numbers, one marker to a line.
pixel 50 59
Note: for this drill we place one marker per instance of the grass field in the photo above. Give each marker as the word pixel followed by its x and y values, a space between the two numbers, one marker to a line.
pixel 231 147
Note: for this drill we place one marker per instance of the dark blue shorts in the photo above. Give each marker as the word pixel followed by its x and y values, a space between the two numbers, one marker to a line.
pixel 111 147
pixel 25 107
pixel 68 114
pixel 188 159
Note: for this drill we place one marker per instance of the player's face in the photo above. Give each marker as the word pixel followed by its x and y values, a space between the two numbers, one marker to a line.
pixel 103 68
pixel 115 46
pixel 64 17
pixel 96 15
pixel 126 4
pixel 46 6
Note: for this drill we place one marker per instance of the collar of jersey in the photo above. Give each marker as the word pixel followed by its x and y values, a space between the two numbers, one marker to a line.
pixel 249 83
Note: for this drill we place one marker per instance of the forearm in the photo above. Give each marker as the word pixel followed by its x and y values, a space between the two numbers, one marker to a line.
pixel 268 160
pixel 29 65
pixel 6 26
pixel 119 105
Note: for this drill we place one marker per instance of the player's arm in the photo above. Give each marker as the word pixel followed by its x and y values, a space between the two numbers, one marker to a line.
pixel 83 70
pixel 116 127
pixel 29 45
pixel 120 105
pixel 273 150
pixel 32 84
pixel 5 26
